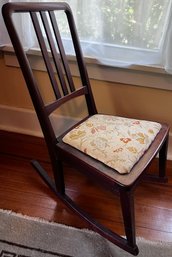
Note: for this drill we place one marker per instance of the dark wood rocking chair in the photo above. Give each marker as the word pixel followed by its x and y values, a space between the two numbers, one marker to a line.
pixel 64 90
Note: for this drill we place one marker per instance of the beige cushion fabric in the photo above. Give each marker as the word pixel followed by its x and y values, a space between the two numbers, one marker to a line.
pixel 117 142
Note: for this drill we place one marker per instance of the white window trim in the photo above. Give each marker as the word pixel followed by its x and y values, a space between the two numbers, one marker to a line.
pixel 136 75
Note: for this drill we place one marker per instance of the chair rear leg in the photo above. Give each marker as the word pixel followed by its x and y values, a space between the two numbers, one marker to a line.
pixel 58 171
pixel 127 206
pixel 163 161
pixel 161 176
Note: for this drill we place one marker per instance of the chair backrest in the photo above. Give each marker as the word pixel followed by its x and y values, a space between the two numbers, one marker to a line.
pixel 45 25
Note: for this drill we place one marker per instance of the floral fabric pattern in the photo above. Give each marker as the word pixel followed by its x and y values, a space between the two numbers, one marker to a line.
pixel 117 142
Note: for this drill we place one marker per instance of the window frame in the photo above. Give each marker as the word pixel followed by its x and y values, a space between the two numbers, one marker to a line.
pixel 136 75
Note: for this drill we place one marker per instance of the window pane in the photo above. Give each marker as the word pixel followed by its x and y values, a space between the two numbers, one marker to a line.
pixel 131 23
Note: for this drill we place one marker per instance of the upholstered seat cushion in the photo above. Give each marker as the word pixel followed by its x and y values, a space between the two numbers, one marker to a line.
pixel 117 142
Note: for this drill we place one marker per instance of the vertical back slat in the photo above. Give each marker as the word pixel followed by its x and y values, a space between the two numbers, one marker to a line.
pixel 54 52
pixel 45 54
pixel 81 65
pixel 62 51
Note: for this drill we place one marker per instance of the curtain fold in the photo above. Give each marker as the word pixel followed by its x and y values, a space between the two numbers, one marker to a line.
pixel 104 32
pixel 4 38
pixel 22 22
pixel 167 49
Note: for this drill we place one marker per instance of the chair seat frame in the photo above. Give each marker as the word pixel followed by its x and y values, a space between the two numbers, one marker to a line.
pixel 122 185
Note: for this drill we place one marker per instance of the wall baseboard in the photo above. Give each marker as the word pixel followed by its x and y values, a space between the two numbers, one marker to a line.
pixel 25 121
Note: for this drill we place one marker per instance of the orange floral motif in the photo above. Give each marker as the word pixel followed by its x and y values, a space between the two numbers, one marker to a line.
pixel 141 138
pixel 77 134
pixel 118 150
pixel 151 131
pixel 93 130
pixel 132 149
pixel 125 140
pixel 97 129
pixel 89 124
pixel 141 135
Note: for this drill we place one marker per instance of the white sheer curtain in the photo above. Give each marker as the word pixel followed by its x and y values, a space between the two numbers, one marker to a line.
pixel 22 22
pixel 115 32
pixel 4 39
pixel 167 47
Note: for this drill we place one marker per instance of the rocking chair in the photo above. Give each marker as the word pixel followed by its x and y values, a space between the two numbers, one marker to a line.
pixel 113 151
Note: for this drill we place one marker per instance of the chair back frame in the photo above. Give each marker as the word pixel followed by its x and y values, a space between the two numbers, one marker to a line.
pixel 44 111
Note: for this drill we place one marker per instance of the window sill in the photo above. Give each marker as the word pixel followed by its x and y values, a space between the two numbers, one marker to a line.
pixel 145 76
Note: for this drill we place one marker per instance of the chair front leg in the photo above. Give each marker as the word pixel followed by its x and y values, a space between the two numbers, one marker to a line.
pixel 57 185
pixel 127 206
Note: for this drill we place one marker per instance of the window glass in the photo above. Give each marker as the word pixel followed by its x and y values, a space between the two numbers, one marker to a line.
pixel 131 23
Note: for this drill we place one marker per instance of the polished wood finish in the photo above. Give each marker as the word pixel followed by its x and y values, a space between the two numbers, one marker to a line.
pixel 22 191
pixel 43 15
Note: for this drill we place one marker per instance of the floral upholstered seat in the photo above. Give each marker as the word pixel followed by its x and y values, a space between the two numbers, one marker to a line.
pixel 117 142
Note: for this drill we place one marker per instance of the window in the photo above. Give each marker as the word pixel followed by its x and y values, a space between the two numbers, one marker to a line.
pixel 130 23
pixel 120 32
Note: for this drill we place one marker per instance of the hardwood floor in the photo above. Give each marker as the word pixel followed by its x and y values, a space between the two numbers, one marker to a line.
pixel 21 190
